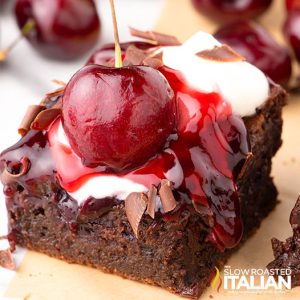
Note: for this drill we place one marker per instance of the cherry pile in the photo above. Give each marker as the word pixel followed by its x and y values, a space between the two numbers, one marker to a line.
pixel 112 115
pixel 250 39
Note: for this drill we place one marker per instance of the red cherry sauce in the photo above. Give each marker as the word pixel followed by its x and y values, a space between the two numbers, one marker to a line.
pixel 202 160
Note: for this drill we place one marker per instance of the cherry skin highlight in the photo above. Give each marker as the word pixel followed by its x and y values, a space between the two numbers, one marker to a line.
pixel 64 29
pixel 253 42
pixel 118 117
pixel 231 10
pixel 292 31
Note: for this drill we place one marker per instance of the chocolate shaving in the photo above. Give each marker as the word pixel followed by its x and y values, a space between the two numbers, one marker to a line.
pixel 135 206
pixel 166 195
pixel 134 56
pixel 155 37
pixel 205 212
pixel 6 259
pixel 45 118
pixel 153 62
pixel 59 82
pixel 55 93
pixel 152 201
pixel 221 53
pixel 30 115
pixel 246 164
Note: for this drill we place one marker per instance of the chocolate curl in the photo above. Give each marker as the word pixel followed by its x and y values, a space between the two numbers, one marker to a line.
pixel 30 115
pixel 153 62
pixel 46 117
pixel 152 201
pixel 166 196
pixel 135 206
pixel 221 53
pixel 7 177
pixel 155 37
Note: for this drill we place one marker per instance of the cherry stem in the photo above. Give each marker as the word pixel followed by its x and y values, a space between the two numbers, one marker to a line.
pixel 118 52
pixel 29 25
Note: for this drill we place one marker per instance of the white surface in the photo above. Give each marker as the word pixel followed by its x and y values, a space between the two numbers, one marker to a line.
pixel 220 77
pixel 26 76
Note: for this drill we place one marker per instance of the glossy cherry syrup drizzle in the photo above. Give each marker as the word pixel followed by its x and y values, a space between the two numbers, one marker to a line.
pixel 203 158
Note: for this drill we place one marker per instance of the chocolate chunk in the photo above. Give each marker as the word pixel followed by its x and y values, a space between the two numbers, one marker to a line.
pixel 152 201
pixel 30 115
pixel 155 37
pixel 135 206
pixel 166 196
pixel 45 118
pixel 221 53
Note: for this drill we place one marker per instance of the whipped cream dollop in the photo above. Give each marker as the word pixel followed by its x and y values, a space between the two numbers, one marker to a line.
pixel 243 85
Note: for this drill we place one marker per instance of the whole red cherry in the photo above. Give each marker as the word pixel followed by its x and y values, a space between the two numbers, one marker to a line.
pixel 231 10
pixel 63 28
pixel 292 5
pixel 255 43
pixel 118 117
pixel 107 53
pixel 292 31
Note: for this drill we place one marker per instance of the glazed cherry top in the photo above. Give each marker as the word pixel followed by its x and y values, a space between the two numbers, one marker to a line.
pixel 63 28
pixel 118 117
pixel 259 48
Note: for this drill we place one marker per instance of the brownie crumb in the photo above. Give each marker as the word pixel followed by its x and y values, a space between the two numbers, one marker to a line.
pixel 287 254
